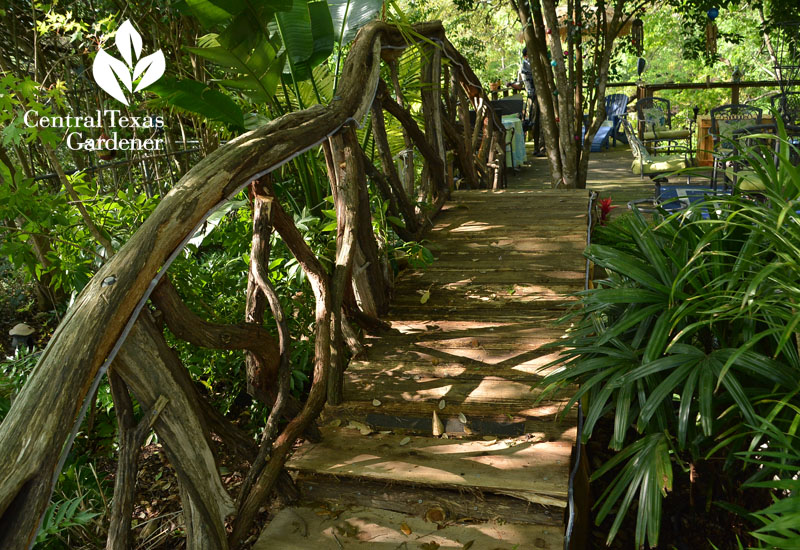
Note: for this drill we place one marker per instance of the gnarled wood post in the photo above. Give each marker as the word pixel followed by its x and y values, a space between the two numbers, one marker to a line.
pixel 431 74
pixel 106 314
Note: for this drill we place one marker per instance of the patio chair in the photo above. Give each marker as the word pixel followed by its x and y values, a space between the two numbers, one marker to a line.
pixel 748 142
pixel 656 117
pixel 616 105
pixel 787 106
pixel 647 164
pixel 728 121
pixel 673 198
pixel 615 108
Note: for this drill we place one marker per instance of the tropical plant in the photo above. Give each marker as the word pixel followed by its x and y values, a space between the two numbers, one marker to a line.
pixel 688 342
pixel 779 468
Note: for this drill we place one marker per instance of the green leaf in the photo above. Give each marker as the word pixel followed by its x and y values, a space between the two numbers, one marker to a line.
pixel 208 12
pixel 307 34
pixel 199 98
pixel 255 71
pixel 350 15
pixel 396 221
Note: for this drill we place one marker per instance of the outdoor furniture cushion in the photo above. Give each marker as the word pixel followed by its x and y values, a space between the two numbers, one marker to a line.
pixel 667 133
pixel 748 180
pixel 659 164
pixel 654 118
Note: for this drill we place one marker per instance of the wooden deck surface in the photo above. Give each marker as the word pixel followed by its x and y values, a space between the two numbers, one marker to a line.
pixel 469 336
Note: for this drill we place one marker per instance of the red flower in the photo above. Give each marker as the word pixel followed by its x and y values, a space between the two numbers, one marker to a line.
pixel 605 209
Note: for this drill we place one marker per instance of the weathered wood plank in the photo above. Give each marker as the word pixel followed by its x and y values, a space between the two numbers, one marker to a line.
pixel 415 500
pixel 534 418
pixel 427 394
pixel 524 367
pixel 301 528
pixel 483 296
pixel 522 467
pixel 454 275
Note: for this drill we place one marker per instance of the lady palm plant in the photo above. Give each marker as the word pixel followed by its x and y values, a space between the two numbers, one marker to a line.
pixel 685 343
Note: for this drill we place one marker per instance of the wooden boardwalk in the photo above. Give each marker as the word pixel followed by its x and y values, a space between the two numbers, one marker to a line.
pixel 440 440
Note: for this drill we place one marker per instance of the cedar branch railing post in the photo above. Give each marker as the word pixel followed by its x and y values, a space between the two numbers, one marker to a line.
pixel 112 306
pixel 431 93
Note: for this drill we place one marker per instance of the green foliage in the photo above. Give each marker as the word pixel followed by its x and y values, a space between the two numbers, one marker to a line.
pixel 200 98
pixel 675 50
pixel 689 341
pixel 484 32
pixel 14 373
pixel 350 15
pixel 779 524
pixel 61 517
pixel 72 518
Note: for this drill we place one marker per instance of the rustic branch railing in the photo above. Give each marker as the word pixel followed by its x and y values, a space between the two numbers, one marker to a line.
pixel 108 327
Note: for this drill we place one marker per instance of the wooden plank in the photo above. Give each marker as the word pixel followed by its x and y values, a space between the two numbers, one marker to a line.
pixel 535 418
pixel 503 245
pixel 507 234
pixel 485 358
pixel 530 261
pixel 506 338
pixel 424 394
pixel 304 528
pixel 521 367
pixel 521 326
pixel 520 275
pixel 484 296
pixel 414 500
pixel 522 467
pixel 571 220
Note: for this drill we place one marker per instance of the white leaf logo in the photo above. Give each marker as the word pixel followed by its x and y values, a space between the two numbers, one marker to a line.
pixel 109 71
pixel 152 66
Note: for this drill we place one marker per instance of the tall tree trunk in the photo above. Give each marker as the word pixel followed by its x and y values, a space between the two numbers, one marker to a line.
pixel 533 33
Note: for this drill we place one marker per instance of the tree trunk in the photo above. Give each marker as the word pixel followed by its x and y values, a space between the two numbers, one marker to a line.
pixel 152 370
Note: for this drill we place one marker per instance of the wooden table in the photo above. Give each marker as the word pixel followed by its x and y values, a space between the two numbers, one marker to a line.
pixel 705 143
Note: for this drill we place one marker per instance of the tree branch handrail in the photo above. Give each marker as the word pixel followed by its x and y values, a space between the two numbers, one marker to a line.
pixel 34 440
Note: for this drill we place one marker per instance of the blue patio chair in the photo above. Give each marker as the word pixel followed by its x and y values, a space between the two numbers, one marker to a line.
pixel 616 105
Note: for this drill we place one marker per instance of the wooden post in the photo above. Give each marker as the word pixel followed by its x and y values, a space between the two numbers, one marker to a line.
pixel 407 158
pixel 431 110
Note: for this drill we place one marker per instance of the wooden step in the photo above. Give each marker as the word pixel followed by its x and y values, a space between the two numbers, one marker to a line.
pixel 472 397
pixel 477 274
pixel 534 262
pixel 321 528
pixel 526 467
pixel 544 419
pixel 519 326
pixel 414 500
pixel 521 367
pixel 484 296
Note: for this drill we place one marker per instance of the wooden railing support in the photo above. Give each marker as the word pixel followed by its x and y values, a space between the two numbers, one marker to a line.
pixel 49 407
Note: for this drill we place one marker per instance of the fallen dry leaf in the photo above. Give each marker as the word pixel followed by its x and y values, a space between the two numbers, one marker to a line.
pixel 430 546
pixel 376 402
pixel 360 426
pixel 405 440
pixel 437 426
pixel 468 545
pixel 425 297
pixel 442 404
pixel 405 528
